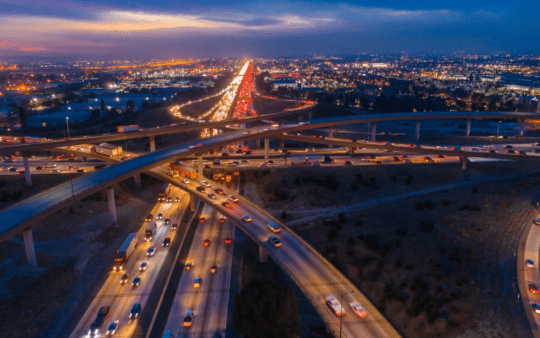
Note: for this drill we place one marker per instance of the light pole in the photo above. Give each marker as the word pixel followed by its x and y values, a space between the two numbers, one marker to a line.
pixel 341 315
pixel 67 125
pixel 498 125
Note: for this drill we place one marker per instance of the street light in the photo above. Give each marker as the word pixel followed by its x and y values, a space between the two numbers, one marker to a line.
pixel 341 315
pixel 67 124
pixel 498 125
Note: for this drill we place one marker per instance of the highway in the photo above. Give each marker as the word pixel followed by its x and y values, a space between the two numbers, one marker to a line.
pixel 209 302
pixel 121 297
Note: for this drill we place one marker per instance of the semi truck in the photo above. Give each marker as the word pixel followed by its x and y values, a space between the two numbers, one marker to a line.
pixel 125 251
pixel 183 171
pixel 297 159
pixel 108 149
pixel 162 197
pixel 314 159
pixel 127 129
pixel 150 232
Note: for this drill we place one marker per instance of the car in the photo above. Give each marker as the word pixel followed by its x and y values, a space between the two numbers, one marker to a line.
pixel 335 306
pixel 166 242
pixel 202 219
pixel 159 216
pixel 112 328
pixel 149 218
pixel 395 158
pixel 536 307
pixel 537 221
pixel 212 196
pixel 491 151
pixel 245 161
pixel 226 204
pixel 206 242
pixel 135 310
pixel 274 227
pixel 205 184
pixel 197 283
pixel 124 279
pixel 169 200
pixel 201 189
pixel 103 313
pixel 188 266
pixel 53 171
pixel 177 199
pixel 275 241
pixel 440 156
pixel 270 162
pixel 428 159
pixel 222 220
pixel 233 199
pixel 347 162
pixel 185 181
pixel 213 268
pixel 136 281
pixel 151 251
pixel 379 162
pixel 39 168
pixel 219 191
pixel 406 160
pixel 520 152
pixel 246 218
pixel 188 319
pixel 207 166
pixel 358 309
pixel 529 263
pixel 507 146
pixel 228 240
pixel 174 226
pixel 143 266
pixel 533 289
pixel 510 151
pixel 13 170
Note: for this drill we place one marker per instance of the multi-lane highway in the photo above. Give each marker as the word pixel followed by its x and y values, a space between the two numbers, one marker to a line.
pixel 121 297
pixel 212 263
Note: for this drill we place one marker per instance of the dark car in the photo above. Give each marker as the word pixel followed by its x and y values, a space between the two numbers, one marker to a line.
pixel 135 310
pixel 167 221
pixel 226 204
pixel 166 241
pixel 201 189
pixel 174 226
pixel 149 218
pixel 219 191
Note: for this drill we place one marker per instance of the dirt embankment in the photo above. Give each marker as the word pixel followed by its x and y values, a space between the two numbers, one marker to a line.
pixel 436 266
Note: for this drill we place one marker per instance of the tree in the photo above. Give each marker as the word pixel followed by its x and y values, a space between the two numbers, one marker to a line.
pixel 96 113
pixel 102 104
pixel 22 117
pixel 264 310
pixel 130 106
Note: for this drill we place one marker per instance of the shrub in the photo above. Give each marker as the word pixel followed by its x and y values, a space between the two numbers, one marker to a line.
pixel 372 243
pixel 408 180
pixel 428 204
pixel 341 218
pixel 401 232
pixel 426 227
pixel 419 206
pixel 332 234
pixel 354 186
pixel 284 214
pixel 358 223
pixel 445 202
pixel 393 178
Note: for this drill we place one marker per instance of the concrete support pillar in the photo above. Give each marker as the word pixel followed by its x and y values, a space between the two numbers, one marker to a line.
pixel 152 143
pixel 299 118
pixel 468 127
pixel 137 179
pixel 282 144
pixel 417 129
pixel 112 206
pixel 310 115
pixel 84 158
pixel 199 166
pixel 191 203
pixel 521 128
pixel 351 150
pixel 27 171
pixel 331 134
pixel 266 147
pixel 464 163
pixel 257 143
pixel 263 255
pixel 29 247
pixel 373 131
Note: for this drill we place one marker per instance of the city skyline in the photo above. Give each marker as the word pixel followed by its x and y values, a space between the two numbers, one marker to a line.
pixel 67 30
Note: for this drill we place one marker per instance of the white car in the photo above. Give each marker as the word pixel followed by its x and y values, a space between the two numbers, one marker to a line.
pixel 358 309
pixel 233 199
pixel 185 181
pixel 205 184
pixel 274 227
pixel 335 306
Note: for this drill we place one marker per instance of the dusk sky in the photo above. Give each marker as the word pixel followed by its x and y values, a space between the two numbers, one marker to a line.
pixel 162 29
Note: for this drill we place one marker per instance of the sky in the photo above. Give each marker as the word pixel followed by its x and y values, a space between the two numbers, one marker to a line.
pixel 164 29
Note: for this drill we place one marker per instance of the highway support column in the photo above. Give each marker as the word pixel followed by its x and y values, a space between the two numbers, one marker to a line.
pixel 373 131
pixel 192 202
pixel 468 127
pixel 282 143
pixel 29 247
pixel 27 170
pixel 299 117
pixel 112 206
pixel 152 143
pixel 310 115
pixel 464 163
pixel 199 166
pixel 331 133
pixel 521 128
pixel 417 129
pixel 266 147
pixel 263 255
pixel 137 179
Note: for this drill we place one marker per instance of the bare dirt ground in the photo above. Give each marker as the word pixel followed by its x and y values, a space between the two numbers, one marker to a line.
pixel 436 266
pixel 65 244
